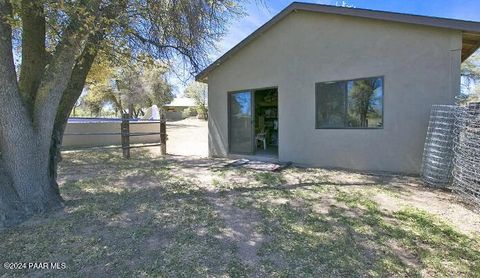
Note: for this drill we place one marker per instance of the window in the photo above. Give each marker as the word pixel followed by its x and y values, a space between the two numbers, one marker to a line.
pixel 350 103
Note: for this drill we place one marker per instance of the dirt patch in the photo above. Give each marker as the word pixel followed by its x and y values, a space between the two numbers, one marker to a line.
pixel 186 137
pixel 326 203
pixel 241 229
pixel 442 204
pixel 240 224
pixel 404 255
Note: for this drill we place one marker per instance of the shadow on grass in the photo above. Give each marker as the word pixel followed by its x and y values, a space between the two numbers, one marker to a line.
pixel 143 217
pixel 353 238
pixel 110 230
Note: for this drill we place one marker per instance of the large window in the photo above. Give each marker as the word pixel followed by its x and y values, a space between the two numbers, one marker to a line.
pixel 350 103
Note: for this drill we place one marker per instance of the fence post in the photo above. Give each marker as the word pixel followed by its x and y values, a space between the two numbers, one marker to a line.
pixel 163 134
pixel 125 130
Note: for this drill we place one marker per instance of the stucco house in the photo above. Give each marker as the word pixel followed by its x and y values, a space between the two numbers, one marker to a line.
pixel 336 87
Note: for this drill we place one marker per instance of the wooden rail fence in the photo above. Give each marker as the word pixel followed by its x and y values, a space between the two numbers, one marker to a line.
pixel 126 134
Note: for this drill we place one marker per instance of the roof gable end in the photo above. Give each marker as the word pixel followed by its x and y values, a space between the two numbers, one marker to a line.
pixel 470 29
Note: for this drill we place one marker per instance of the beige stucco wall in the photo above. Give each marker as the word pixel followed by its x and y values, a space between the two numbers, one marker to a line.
pixel 72 141
pixel 420 65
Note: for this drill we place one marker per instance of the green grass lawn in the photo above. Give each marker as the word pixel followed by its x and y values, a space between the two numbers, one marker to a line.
pixel 180 217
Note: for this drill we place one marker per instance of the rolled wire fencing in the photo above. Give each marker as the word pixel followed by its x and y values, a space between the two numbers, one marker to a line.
pixel 438 152
pixel 466 170
pixel 451 157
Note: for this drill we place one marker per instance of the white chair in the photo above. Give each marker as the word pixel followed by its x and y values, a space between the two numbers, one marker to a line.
pixel 262 137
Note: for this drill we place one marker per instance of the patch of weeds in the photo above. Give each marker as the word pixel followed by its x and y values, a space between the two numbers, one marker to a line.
pixel 223 185
pixel 440 248
pixel 195 247
pixel 269 178
pixel 432 244
pixel 221 172
pixel 236 269
pixel 149 173
pixel 243 203
pixel 311 245
pixel 305 243
pixel 312 192
pixel 356 200
pixel 216 183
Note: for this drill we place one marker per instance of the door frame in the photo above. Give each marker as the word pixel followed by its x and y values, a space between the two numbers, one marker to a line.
pixel 252 121
pixel 252 92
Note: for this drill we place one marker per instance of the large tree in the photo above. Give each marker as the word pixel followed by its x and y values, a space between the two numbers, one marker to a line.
pixel 128 88
pixel 199 93
pixel 55 44
pixel 363 99
pixel 470 73
pixel 141 86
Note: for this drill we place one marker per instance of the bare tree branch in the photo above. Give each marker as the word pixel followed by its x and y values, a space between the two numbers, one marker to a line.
pixel 181 50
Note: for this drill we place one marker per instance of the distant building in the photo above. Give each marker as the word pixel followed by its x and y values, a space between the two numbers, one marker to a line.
pixel 175 110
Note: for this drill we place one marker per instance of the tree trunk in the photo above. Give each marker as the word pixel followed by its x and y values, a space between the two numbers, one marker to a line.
pixel 131 110
pixel 27 185
pixel 11 212
pixel 28 188
pixel 24 187
pixel 34 56
pixel 67 103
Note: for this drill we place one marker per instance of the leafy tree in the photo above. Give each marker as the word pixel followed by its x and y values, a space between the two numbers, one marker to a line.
pixel 471 68
pixel 57 42
pixel 98 89
pixel 199 93
pixel 98 95
pixel 474 96
pixel 127 85
pixel 130 89
pixel 157 88
pixel 363 98
pixel 470 73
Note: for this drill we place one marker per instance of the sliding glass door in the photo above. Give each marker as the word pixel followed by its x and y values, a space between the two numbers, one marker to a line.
pixel 240 122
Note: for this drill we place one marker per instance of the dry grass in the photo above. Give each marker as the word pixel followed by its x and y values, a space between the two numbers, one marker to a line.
pixel 181 217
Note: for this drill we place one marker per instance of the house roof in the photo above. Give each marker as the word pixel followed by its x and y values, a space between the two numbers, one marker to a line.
pixel 470 29
pixel 181 102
